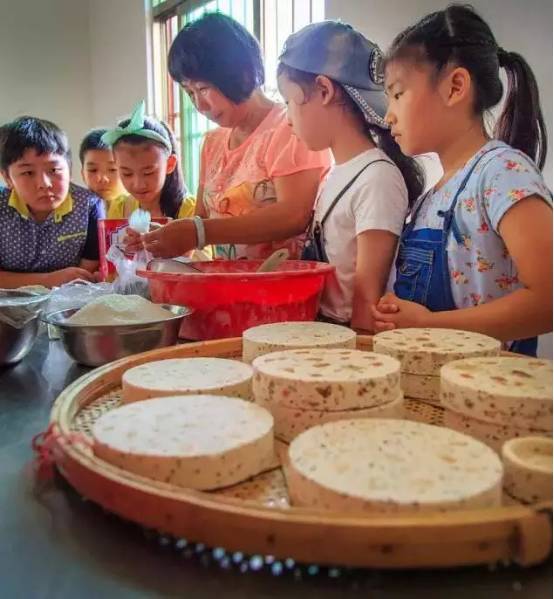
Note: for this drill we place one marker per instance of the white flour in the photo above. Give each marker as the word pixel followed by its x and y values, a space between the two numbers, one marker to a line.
pixel 119 309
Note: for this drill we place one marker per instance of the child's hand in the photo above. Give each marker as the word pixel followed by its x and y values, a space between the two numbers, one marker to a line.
pixel 174 239
pixel 394 313
pixel 388 304
pixel 66 275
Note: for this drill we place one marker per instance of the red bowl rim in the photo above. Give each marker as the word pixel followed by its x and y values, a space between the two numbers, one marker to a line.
pixel 321 268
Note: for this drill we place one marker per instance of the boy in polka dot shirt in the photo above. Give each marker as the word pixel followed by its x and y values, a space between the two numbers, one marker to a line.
pixel 48 225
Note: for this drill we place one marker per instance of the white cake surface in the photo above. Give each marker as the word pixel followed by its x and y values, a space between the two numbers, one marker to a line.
pixel 381 465
pixel 200 442
pixel 278 336
pixel 187 376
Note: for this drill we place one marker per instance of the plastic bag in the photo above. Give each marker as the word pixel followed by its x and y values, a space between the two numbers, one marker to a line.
pixel 127 282
pixel 18 307
pixel 76 294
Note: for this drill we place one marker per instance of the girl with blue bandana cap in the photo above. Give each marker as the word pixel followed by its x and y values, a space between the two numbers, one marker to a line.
pixel 331 80
pixel 146 157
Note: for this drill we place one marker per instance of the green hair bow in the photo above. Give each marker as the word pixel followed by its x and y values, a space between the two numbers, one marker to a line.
pixel 135 127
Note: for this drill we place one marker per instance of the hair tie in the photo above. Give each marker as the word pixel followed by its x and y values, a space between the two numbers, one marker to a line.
pixel 503 56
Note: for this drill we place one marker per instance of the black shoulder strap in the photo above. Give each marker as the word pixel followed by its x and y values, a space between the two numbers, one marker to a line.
pixel 347 187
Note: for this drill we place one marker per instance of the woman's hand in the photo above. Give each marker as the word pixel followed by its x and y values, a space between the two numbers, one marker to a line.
pixel 132 241
pixel 394 313
pixel 174 239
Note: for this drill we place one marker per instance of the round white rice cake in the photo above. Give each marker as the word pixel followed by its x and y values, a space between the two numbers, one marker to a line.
pixel 393 466
pixel 424 351
pixel 493 435
pixel 506 390
pixel 187 376
pixel 528 469
pixel 290 422
pixel 420 386
pixel 268 338
pixel 326 379
pixel 196 441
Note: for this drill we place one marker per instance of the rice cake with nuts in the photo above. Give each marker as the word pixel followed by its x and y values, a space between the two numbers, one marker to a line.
pixel 290 422
pixel 187 376
pixel 391 466
pixel 279 336
pixel 425 351
pixel 197 441
pixel 493 435
pixel 326 379
pixel 421 386
pixel 509 391
pixel 528 469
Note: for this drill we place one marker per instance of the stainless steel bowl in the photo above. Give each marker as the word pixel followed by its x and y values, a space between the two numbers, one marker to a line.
pixel 97 345
pixel 19 324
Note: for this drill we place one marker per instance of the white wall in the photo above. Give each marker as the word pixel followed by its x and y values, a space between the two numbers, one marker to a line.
pixel 78 63
pixel 118 58
pixel 45 64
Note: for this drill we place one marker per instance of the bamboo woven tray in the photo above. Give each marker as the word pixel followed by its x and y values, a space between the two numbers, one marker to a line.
pixel 256 517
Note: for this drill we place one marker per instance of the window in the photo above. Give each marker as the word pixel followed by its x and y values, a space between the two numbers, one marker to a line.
pixel 271 21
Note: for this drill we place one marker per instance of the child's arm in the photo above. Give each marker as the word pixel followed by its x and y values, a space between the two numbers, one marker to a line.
pixel 527 233
pixel 12 280
pixel 375 253
pixel 90 265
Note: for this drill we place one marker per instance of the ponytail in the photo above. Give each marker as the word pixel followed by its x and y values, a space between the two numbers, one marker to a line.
pixel 521 124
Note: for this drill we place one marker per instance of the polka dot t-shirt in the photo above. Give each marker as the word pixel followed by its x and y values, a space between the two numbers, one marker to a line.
pixel 68 235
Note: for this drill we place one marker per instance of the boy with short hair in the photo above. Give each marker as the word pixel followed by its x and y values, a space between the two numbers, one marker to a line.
pixel 48 225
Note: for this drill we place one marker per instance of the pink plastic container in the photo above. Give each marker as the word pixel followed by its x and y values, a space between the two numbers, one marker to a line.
pixel 229 296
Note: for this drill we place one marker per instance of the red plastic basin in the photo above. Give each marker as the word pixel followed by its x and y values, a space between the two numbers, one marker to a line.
pixel 229 296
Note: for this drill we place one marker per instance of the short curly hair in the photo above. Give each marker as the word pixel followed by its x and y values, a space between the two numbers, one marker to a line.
pixel 218 50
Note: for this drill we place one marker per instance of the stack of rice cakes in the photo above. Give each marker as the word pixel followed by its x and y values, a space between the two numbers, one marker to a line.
pixel 497 399
pixel 306 387
pixel 423 351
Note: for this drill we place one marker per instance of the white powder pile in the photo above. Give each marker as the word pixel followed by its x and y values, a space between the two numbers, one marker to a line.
pixel 119 309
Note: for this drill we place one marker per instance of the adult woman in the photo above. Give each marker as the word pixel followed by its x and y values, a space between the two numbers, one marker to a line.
pixel 258 182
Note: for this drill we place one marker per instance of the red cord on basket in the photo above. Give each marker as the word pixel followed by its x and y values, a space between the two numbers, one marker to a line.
pixel 46 446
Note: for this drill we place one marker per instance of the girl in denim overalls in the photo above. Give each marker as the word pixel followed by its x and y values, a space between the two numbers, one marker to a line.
pixel 476 251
